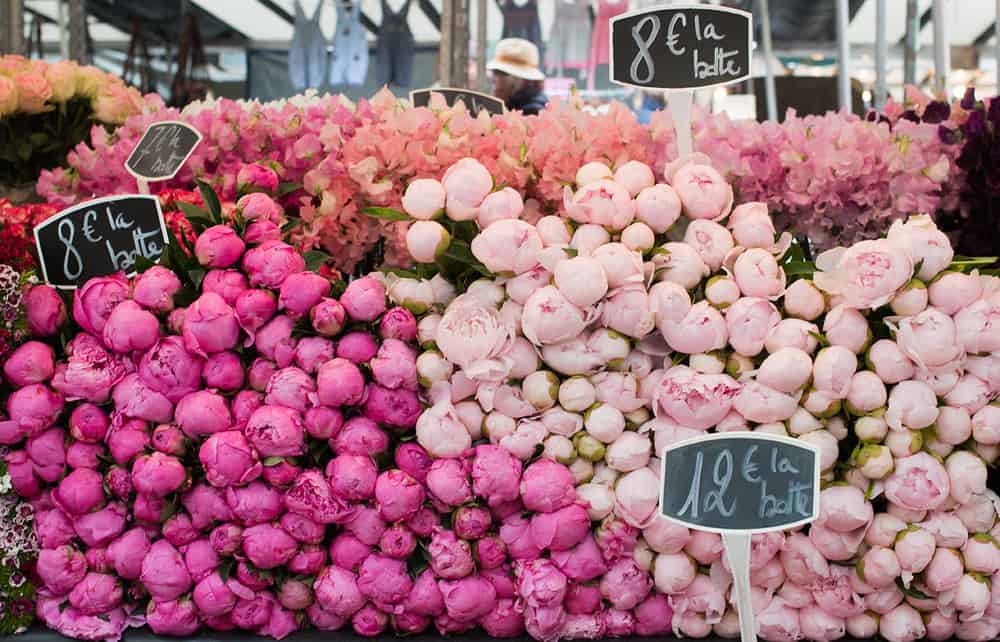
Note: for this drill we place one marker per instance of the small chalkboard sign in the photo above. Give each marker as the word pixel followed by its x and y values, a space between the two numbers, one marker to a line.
pixel 162 150
pixel 100 237
pixel 474 100
pixel 737 484
pixel 681 47
pixel 740 481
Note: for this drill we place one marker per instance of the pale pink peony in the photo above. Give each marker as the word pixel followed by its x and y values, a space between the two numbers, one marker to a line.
pixel 758 274
pixel 919 482
pixel 925 244
pixel 749 321
pixel 912 405
pixel 701 329
pixel 604 202
pixel 713 243
pixel 508 246
pixel 703 192
pixel 474 336
pixel 694 400
pixel 866 275
pixel 466 184
pixel 424 199
pixel 658 206
pixel 502 204
pixel 550 318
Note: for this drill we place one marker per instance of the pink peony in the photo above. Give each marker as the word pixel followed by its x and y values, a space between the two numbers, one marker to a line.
pixel 867 275
pixel 96 299
pixel 703 192
pixel 919 482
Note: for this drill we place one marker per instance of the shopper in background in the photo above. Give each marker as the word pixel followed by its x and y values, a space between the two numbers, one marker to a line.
pixel 517 80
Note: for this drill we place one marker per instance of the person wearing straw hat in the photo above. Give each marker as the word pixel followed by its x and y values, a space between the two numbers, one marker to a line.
pixel 517 80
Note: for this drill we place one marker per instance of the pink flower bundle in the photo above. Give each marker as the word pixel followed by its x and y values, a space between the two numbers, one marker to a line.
pixel 35 86
pixel 835 178
pixel 233 441
pixel 659 311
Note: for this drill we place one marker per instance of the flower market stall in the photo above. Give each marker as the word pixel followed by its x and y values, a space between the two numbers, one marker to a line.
pixel 407 371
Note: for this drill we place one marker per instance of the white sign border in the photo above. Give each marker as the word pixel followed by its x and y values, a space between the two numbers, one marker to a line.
pixel 679 7
pixel 432 90
pixel 743 434
pixel 150 179
pixel 86 204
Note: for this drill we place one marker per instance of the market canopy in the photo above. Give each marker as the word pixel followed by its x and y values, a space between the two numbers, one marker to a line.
pixel 795 23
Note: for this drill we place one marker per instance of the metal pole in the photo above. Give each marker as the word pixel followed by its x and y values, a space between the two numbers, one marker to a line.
pixel 881 55
pixel 765 29
pixel 12 27
pixel 481 36
pixel 911 43
pixel 78 31
pixel 63 21
pixel 942 48
pixel 844 56
pixel 460 44
pixel 444 51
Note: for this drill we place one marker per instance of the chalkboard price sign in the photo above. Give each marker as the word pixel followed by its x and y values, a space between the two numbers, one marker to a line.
pixel 740 481
pixel 100 237
pixel 162 150
pixel 474 100
pixel 681 47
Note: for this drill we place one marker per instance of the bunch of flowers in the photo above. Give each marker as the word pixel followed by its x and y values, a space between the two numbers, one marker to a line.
pixel 836 178
pixel 18 548
pixel 46 109
pixel 653 315
pixel 972 124
pixel 17 541
pixel 284 134
pixel 231 440
pixel 17 241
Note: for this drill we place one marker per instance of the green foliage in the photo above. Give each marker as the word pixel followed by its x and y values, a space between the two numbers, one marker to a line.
pixel 30 143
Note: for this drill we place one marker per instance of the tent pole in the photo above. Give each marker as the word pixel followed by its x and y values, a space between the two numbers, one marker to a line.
pixel 444 51
pixel 844 56
pixel 942 47
pixel 911 43
pixel 770 92
pixel 481 35
pixel 881 55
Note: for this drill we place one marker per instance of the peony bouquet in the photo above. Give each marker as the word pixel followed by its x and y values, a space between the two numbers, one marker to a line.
pixel 236 440
pixel 835 178
pixel 653 312
pixel 46 109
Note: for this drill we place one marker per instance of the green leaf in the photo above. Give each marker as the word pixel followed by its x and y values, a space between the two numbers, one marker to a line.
pixel 226 569
pixel 196 275
pixel 291 225
pixel 799 268
pixel 273 461
pixel 386 214
pixel 315 259
pixel 910 592
pixel 194 213
pixel 284 189
pixel 406 274
pixel 461 252
pixel 964 263
pixel 211 201
pixel 142 264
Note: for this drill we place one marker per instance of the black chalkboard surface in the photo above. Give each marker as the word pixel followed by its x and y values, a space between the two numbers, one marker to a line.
pixel 740 481
pixel 100 237
pixel 473 100
pixel 162 150
pixel 681 47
